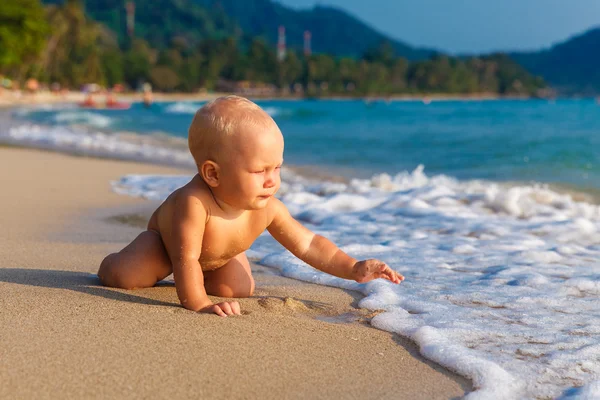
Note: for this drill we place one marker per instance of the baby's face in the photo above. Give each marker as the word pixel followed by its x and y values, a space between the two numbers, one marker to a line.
pixel 250 174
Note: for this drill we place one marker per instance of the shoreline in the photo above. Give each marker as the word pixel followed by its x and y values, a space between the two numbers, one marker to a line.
pixel 585 194
pixel 10 99
pixel 321 173
pixel 79 339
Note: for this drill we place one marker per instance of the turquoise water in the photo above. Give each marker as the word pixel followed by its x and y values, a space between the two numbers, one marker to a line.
pixel 504 140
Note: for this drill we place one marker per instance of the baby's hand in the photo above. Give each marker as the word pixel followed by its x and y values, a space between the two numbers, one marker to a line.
pixel 223 309
pixel 367 270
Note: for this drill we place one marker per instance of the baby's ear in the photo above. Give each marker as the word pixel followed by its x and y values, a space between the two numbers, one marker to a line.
pixel 210 173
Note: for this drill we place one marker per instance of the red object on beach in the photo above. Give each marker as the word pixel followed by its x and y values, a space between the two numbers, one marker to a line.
pixel 119 105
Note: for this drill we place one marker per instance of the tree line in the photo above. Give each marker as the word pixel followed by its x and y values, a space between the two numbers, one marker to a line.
pixel 59 43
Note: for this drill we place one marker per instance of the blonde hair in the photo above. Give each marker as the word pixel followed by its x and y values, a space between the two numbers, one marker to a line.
pixel 217 121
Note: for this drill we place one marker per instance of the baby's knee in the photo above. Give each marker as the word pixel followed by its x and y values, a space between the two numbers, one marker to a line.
pixel 240 293
pixel 252 286
pixel 109 275
pixel 241 290
pixel 244 292
pixel 247 290
pixel 105 268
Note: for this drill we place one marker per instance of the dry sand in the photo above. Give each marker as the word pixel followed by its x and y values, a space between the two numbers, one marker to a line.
pixel 12 98
pixel 64 336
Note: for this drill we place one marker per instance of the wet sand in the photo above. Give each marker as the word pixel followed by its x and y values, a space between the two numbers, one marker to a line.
pixel 64 335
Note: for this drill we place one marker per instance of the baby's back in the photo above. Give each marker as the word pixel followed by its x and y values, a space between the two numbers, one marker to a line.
pixel 224 237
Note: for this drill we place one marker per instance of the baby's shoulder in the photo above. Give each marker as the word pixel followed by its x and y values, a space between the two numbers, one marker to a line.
pixel 191 198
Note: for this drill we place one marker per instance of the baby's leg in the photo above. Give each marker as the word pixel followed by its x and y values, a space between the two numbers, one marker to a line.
pixel 233 279
pixel 140 264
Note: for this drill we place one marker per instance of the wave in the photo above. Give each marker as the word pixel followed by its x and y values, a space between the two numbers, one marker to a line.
pixel 32 108
pixel 83 117
pixel 183 107
pixel 273 111
pixel 191 108
pixel 299 113
pixel 159 149
pixel 501 280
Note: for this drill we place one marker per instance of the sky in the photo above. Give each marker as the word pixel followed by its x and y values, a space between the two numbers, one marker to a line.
pixel 472 26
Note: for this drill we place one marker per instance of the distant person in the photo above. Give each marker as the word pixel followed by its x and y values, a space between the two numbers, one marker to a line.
pixel 110 99
pixel 55 88
pixel 32 86
pixel 89 100
pixel 147 99
pixel 201 231
pixel 147 96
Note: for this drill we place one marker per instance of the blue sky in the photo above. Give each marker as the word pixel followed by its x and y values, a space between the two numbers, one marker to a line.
pixel 472 26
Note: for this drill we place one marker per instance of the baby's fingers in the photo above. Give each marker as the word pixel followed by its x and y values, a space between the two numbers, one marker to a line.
pixel 391 275
pixel 398 277
pixel 217 310
pixel 395 276
pixel 226 307
pixel 235 308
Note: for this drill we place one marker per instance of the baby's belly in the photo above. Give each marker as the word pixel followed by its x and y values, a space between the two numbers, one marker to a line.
pixel 212 264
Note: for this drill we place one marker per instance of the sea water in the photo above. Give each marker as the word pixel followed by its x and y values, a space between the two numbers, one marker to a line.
pixel 473 202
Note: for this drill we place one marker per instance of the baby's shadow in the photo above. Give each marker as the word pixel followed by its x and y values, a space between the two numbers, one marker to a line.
pixel 83 282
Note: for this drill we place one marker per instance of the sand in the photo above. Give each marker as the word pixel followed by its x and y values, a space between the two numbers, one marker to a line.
pixel 13 98
pixel 65 336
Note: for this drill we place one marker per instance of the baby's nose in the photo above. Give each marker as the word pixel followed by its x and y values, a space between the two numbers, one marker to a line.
pixel 270 180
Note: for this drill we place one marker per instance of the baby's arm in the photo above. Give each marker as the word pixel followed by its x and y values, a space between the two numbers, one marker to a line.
pixel 320 252
pixel 189 221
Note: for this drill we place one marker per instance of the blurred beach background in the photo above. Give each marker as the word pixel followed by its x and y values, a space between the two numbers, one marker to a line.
pixel 467 157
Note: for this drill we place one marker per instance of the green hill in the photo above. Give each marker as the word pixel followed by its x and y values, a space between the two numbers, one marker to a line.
pixel 571 67
pixel 159 21
pixel 230 45
pixel 334 31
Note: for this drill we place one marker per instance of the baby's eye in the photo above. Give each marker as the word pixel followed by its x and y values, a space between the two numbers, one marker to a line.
pixel 259 172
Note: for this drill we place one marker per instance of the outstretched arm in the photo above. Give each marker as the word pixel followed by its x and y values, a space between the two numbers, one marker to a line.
pixel 320 253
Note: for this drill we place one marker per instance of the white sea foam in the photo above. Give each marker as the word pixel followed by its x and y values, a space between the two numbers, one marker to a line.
pixel 502 283
pixel 149 148
pixel 25 111
pixel 85 118
pixel 186 107
pixel 183 107
pixel 272 111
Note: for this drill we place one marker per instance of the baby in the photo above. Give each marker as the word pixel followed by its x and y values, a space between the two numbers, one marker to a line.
pixel 201 231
